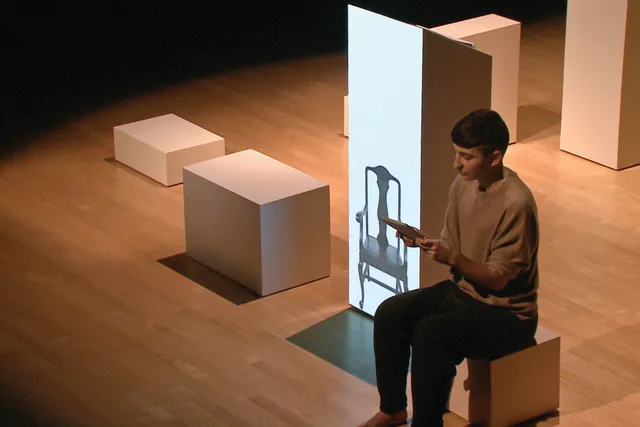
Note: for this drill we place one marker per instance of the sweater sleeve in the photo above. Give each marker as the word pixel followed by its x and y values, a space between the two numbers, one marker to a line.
pixel 515 243
pixel 450 230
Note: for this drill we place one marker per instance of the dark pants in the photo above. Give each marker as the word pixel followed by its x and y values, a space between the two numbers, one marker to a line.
pixel 442 325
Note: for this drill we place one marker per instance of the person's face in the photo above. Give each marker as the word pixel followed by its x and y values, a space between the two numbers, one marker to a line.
pixel 472 163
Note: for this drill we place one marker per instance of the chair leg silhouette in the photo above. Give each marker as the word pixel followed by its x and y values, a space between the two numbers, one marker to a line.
pixel 361 275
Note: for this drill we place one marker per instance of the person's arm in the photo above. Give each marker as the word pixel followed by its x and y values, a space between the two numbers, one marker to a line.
pixel 450 231
pixel 512 251
pixel 478 273
pixel 471 270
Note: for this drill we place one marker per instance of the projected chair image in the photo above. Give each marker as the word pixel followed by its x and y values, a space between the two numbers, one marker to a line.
pixel 375 251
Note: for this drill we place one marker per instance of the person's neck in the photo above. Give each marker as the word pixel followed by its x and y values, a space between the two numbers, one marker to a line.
pixel 492 176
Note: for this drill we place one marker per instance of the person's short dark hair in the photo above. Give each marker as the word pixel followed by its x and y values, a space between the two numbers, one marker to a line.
pixel 482 128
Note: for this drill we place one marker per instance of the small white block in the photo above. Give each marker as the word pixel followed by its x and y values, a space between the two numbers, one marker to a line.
pixel 161 146
pixel 512 389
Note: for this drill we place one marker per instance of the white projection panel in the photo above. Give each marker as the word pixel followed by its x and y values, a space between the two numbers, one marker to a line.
pixel 499 37
pixel 389 134
pixel 601 89
pixel 385 97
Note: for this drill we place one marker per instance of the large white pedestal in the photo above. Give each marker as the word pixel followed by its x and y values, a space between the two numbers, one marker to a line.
pixel 161 146
pixel 258 221
pixel 499 37
pixel 512 389
pixel 601 89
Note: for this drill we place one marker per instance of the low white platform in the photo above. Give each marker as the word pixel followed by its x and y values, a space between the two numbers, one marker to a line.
pixel 499 37
pixel 258 221
pixel 161 146
pixel 512 389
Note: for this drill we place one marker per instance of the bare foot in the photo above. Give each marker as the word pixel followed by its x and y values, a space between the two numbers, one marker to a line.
pixel 384 420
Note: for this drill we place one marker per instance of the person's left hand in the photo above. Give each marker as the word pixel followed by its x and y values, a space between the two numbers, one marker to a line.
pixel 437 249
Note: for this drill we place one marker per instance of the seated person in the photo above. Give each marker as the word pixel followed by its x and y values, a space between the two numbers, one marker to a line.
pixel 488 306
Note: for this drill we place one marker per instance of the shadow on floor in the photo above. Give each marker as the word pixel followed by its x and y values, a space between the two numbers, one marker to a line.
pixel 534 120
pixel 345 340
pixel 15 413
pixel 546 420
pixel 209 279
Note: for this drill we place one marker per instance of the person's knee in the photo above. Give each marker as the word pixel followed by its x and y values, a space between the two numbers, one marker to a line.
pixel 387 311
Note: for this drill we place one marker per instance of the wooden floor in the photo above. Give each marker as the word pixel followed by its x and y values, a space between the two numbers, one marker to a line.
pixel 95 332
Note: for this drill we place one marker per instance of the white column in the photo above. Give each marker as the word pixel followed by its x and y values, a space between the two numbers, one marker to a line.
pixel 499 37
pixel 601 89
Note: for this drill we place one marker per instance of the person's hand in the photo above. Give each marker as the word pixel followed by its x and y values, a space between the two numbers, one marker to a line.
pixel 437 249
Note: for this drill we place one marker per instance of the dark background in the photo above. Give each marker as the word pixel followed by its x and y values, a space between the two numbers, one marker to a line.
pixel 61 60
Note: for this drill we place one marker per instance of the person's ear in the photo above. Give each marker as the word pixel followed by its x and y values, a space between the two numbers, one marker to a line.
pixel 496 157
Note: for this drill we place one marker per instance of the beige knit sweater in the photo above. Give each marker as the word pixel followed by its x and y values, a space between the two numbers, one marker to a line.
pixel 499 228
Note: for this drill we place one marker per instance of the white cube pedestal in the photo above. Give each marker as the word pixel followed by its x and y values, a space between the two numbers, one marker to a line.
pixel 499 37
pixel 512 389
pixel 161 146
pixel 601 90
pixel 259 222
